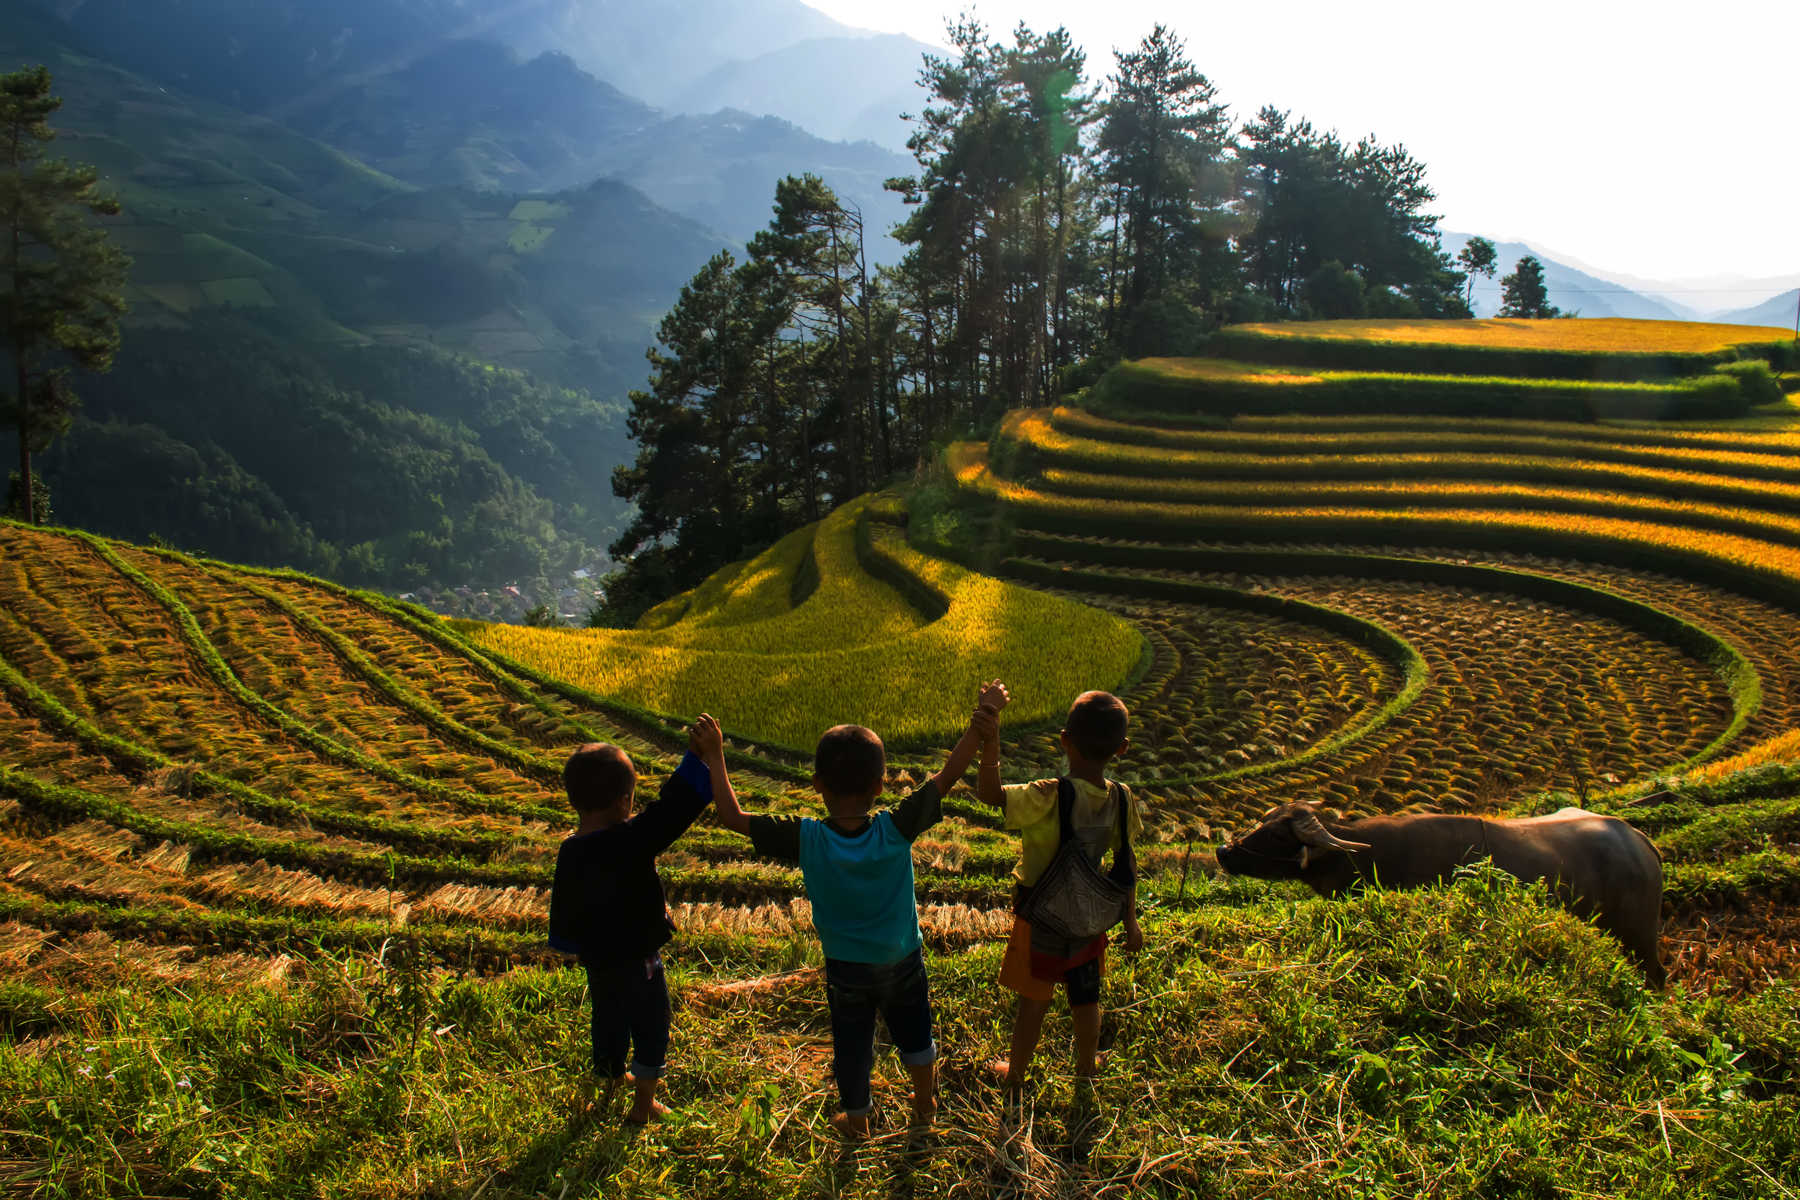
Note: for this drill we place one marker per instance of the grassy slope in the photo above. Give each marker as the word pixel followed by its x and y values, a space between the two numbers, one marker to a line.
pixel 1463 1043
pixel 853 649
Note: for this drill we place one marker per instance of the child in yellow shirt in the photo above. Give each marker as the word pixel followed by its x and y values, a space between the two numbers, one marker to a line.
pixel 1093 736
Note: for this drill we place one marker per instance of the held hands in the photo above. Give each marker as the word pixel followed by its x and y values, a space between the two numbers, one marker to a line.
pixel 706 739
pixel 993 697
pixel 989 700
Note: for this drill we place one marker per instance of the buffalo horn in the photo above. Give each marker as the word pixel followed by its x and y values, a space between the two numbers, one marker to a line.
pixel 1310 830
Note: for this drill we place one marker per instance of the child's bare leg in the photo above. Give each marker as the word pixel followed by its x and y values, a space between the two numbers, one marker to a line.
pixel 644 1105
pixel 924 1092
pixel 1028 1028
pixel 1087 1038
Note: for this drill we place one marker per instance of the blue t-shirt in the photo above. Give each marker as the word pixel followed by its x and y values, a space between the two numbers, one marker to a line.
pixel 860 884
pixel 861 889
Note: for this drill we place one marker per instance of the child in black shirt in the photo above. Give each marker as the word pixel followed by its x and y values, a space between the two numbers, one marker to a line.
pixel 607 905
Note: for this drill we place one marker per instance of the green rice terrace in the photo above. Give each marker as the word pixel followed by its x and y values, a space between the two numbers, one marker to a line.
pixel 275 855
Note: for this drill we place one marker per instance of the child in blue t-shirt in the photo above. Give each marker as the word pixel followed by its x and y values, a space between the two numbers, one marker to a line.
pixel 859 877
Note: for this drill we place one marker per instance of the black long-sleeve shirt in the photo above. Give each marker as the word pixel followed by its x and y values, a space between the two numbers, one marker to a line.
pixel 606 901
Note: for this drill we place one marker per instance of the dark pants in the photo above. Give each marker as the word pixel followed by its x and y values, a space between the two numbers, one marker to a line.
pixel 631 1017
pixel 900 992
pixel 1083 983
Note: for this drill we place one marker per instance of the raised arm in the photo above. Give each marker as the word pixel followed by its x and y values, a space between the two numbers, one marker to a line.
pixel 684 796
pixel 988 788
pixel 984 725
pixel 708 741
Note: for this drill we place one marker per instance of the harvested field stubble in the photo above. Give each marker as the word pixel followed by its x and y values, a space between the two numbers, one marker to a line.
pixel 1446 1031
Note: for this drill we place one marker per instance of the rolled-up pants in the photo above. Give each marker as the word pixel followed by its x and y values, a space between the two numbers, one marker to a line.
pixel 900 993
pixel 631 1018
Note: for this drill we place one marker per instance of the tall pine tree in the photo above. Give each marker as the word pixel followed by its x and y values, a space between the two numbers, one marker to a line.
pixel 61 281
pixel 1162 153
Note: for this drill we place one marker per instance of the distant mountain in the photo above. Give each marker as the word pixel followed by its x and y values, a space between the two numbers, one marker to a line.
pixel 377 80
pixel 256 53
pixel 1777 310
pixel 1708 297
pixel 658 50
pixel 721 170
pixel 1570 289
pixel 845 88
pixel 285 352
pixel 471 114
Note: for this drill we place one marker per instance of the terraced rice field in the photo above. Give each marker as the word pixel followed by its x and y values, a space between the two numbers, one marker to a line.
pixel 1594 610
pixel 1577 672
pixel 213 769
pixel 841 621
pixel 1595 335
pixel 208 762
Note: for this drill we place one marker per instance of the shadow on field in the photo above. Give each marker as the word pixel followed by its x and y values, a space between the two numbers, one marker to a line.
pixel 575 1159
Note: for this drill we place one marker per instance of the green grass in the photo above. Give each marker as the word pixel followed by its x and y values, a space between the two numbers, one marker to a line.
pixel 1214 386
pixel 242 292
pixel 538 211
pixel 838 623
pixel 1465 1041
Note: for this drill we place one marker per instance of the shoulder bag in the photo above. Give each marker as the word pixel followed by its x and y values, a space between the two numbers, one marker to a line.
pixel 1072 899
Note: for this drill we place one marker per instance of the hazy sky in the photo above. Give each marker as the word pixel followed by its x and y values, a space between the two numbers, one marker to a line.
pixel 1650 138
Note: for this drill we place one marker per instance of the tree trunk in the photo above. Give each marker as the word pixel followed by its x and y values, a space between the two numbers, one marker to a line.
pixel 28 498
pixel 1112 270
pixel 1059 267
pixel 852 447
pixel 877 398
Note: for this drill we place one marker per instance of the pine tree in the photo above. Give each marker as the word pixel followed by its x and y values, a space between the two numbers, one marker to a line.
pixel 1524 293
pixel 1477 257
pixel 1162 148
pixel 60 291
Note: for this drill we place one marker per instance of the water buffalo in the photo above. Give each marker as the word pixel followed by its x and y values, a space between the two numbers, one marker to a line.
pixel 1599 867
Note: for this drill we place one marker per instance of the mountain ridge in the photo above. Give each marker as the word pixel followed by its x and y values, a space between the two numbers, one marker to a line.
pixel 806 83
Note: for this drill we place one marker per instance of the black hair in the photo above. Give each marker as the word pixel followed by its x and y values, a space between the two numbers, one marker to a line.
pixel 850 761
pixel 1096 725
pixel 598 776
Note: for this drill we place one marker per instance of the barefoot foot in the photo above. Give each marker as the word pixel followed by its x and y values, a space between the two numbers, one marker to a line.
pixel 643 1114
pixel 850 1128
pixel 1002 1072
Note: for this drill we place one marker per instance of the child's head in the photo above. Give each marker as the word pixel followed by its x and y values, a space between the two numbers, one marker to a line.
pixel 600 780
pixel 848 769
pixel 1095 729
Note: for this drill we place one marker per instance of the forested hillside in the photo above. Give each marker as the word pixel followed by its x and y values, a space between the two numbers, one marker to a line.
pixel 328 205
pixel 309 371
